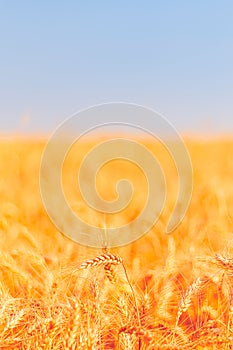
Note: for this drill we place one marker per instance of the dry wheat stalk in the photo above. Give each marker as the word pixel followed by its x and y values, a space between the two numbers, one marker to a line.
pixel 165 301
pixel 186 300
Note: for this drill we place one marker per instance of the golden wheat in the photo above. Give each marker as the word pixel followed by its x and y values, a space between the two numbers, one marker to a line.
pixel 186 300
pixel 53 297
pixel 104 259
pixel 110 273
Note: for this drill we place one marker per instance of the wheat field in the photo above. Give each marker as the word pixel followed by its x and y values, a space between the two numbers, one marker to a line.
pixel 160 292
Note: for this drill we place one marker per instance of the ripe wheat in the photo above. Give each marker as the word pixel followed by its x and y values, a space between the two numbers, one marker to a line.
pixel 43 308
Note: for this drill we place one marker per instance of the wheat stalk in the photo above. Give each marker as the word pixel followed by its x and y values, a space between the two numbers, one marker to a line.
pixel 186 300
pixel 108 259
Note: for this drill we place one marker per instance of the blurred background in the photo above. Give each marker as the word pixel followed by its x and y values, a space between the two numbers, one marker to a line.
pixel 58 57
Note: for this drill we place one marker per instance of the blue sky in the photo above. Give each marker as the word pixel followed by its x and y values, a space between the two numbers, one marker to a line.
pixel 58 57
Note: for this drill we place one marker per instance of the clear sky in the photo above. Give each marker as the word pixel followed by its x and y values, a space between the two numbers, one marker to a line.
pixel 58 57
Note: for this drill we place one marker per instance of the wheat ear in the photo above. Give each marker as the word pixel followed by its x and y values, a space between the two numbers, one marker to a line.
pixel 110 273
pixel 225 262
pixel 186 301
pixel 107 259
pixel 103 259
